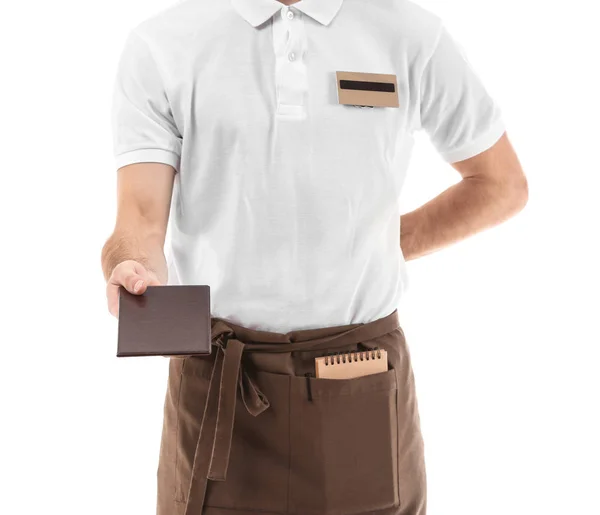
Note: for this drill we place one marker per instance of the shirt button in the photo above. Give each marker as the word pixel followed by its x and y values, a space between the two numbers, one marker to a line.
pixel 290 15
pixel 291 56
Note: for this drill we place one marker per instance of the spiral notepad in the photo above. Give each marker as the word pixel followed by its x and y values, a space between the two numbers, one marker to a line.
pixel 346 365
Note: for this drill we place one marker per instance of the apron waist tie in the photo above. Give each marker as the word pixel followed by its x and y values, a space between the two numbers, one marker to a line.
pixel 214 440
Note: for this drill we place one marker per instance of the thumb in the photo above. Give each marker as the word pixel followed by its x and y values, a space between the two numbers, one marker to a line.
pixel 133 277
pixel 141 278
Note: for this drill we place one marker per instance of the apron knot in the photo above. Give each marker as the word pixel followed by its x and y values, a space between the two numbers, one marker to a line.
pixel 255 401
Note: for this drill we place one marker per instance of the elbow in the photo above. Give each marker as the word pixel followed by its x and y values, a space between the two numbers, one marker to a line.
pixel 516 194
pixel 521 193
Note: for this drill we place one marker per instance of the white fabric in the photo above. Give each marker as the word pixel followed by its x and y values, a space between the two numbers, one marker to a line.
pixel 285 202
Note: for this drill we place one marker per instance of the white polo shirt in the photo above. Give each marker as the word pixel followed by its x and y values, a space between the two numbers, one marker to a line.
pixel 285 201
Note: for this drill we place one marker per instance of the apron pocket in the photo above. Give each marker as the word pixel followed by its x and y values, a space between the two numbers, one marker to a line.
pixel 257 476
pixel 344 444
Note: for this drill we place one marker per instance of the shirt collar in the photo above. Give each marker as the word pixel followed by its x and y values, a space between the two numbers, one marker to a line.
pixel 256 12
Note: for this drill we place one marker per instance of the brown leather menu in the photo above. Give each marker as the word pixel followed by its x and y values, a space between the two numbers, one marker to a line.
pixel 167 320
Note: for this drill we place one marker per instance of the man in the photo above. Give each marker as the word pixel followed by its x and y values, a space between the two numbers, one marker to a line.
pixel 275 136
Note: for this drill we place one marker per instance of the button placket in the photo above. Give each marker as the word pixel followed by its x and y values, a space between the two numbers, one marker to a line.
pixel 290 74
pixel 291 28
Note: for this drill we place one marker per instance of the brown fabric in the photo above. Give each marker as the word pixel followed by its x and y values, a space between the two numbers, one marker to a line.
pixel 246 432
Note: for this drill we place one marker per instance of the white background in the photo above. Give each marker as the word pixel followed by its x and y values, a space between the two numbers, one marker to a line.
pixel 503 328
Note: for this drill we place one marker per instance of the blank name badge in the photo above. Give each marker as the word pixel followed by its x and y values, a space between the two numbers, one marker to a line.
pixel 367 89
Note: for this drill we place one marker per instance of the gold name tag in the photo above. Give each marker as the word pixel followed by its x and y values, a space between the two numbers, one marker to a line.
pixel 367 89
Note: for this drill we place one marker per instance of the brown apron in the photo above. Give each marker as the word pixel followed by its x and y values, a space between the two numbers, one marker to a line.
pixel 248 431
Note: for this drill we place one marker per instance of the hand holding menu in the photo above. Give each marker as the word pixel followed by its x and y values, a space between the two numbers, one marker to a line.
pixel 168 320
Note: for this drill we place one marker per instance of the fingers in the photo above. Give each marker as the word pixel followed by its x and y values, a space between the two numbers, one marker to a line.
pixel 112 297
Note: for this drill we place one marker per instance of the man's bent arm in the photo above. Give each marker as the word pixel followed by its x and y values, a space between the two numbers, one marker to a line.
pixel 143 202
pixel 493 188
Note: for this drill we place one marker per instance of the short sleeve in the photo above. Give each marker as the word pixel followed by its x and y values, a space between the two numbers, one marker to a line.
pixel 456 111
pixel 142 122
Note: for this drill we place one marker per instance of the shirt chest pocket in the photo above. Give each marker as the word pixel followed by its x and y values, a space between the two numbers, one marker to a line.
pixel 357 144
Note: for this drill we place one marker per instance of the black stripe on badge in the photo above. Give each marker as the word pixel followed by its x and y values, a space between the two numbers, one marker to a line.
pixel 363 85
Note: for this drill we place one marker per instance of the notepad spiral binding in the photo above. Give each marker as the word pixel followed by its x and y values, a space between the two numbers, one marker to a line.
pixel 352 356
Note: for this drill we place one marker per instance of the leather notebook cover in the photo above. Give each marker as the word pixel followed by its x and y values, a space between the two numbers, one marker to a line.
pixel 167 320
